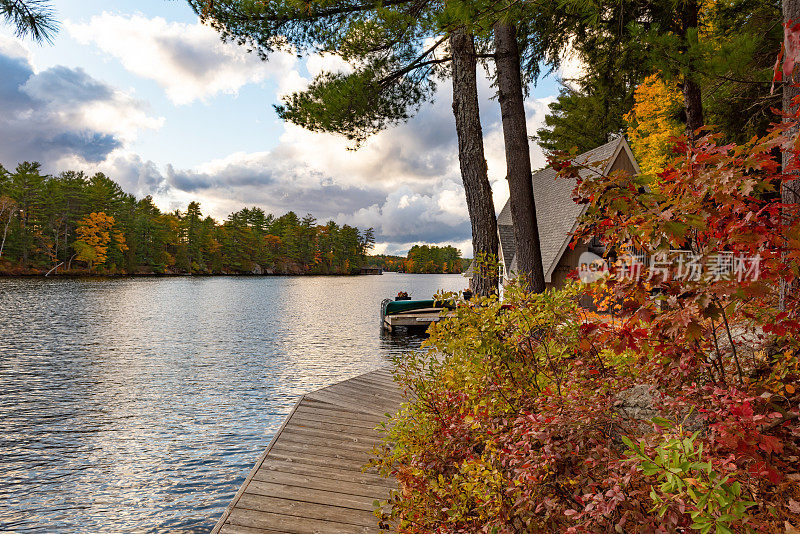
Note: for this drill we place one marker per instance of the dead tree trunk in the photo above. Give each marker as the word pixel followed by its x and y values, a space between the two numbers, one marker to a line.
pixel 518 158
pixel 790 191
pixel 473 162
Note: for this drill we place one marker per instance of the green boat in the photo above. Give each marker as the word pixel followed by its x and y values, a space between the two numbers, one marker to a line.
pixel 420 312
pixel 399 306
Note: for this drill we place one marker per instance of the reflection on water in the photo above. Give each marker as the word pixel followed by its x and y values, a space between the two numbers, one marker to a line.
pixel 139 405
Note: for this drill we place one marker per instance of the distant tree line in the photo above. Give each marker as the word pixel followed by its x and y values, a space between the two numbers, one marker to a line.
pixel 423 259
pixel 432 259
pixel 75 222
pixel 387 262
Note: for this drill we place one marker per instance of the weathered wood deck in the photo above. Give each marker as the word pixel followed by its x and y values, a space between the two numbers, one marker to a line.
pixel 310 479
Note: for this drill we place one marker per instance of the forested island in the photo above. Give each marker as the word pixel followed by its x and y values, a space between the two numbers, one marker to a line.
pixel 80 224
pixel 423 259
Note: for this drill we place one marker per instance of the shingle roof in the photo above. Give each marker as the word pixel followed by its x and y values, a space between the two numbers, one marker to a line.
pixel 556 212
pixel 507 243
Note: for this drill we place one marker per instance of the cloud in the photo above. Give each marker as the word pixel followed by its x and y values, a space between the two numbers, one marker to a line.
pixel 408 217
pixel 189 61
pixel 135 174
pixel 61 112
pixel 277 186
pixel 404 182
pixel 315 64
pixel 572 68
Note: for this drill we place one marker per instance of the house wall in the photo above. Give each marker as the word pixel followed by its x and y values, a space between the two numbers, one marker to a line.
pixel 567 264
pixel 569 261
pixel 623 162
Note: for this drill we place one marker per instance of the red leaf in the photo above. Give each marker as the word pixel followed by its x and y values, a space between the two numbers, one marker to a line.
pixel 777 75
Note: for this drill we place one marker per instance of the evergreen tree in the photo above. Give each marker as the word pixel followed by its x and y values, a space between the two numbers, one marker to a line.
pixel 40 218
pixel 719 56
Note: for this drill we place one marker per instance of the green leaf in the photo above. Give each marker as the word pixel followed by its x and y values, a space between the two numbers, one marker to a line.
pixel 664 423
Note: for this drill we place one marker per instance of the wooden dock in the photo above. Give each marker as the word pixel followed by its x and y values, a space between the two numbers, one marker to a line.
pixel 416 319
pixel 412 319
pixel 310 478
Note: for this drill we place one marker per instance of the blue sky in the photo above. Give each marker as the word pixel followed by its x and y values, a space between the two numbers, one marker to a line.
pixel 141 91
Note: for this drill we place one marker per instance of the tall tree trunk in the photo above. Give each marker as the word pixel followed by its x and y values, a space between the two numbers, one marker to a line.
pixel 472 160
pixel 693 104
pixel 790 190
pixel 692 97
pixel 518 158
pixel 25 241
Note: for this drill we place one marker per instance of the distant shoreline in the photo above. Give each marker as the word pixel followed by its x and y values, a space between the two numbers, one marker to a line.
pixel 166 275
pixel 73 274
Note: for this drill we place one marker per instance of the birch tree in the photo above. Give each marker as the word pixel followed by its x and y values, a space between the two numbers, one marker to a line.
pixel 8 207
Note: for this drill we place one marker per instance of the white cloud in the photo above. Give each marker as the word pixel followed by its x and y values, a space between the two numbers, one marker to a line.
pixel 405 216
pixel 188 60
pixel 62 114
pixel 315 64
pixel 318 63
pixel 572 67
pixel 404 182
pixel 14 48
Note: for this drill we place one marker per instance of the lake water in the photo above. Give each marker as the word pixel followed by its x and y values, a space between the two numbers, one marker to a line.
pixel 140 404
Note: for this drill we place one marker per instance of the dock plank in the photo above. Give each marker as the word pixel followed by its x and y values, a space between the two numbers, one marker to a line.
pixel 330 472
pixel 312 477
pixel 327 484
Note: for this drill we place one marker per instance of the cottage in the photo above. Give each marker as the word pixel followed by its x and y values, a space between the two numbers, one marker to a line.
pixel 557 214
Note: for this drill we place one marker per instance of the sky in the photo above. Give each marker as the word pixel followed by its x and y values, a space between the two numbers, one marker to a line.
pixel 143 92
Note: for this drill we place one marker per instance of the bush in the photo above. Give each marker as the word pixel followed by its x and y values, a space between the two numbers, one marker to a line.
pixel 518 422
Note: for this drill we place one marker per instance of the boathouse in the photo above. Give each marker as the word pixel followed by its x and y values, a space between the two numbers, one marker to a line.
pixel 557 214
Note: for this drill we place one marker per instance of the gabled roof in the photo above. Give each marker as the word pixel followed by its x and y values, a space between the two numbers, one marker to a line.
pixel 556 213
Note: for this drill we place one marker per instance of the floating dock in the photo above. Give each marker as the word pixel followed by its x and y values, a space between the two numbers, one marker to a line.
pixel 412 319
pixel 310 478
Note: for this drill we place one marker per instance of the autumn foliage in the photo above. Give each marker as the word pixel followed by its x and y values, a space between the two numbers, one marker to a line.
pixel 674 410
pixel 96 233
pixel 653 121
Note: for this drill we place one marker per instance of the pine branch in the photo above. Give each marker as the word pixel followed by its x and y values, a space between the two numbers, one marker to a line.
pixel 30 17
pixel 397 74
pixel 310 15
pixel 417 63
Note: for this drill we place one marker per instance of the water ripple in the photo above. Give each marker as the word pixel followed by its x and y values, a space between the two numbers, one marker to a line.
pixel 139 405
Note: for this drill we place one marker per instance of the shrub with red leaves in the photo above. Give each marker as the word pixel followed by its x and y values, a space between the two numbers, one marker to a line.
pixel 523 418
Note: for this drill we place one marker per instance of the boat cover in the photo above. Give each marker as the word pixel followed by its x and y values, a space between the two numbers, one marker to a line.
pixel 401 306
